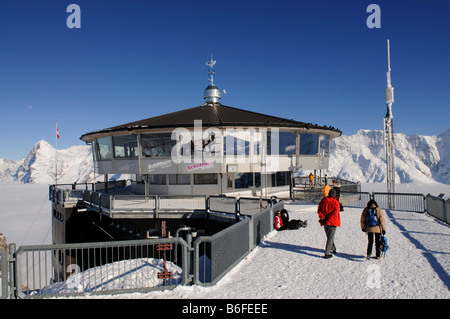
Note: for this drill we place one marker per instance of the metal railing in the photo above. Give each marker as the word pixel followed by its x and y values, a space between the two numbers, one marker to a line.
pixel 216 255
pixel 350 199
pixel 220 252
pixel 411 202
pixel 145 265
pixel 438 208
pixel 397 201
pixel 4 275
pixel 100 268
pixel 76 269
pixel 401 201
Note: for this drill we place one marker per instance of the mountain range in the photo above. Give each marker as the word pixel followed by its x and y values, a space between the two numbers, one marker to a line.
pixel 359 157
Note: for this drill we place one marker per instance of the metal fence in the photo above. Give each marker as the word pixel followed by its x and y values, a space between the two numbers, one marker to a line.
pixel 438 208
pixel 217 254
pixel 99 268
pixel 4 264
pixel 397 201
pixel 140 265
pixel 411 202
pixel 155 264
pixel 151 202
pixel 401 201
pixel 349 199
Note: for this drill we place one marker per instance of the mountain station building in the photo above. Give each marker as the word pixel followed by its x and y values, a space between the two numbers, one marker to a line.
pixel 211 149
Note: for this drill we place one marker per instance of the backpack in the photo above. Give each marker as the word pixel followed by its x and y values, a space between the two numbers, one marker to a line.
pixel 372 217
pixel 383 245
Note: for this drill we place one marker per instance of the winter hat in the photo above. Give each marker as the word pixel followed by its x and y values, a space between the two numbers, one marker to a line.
pixel 332 192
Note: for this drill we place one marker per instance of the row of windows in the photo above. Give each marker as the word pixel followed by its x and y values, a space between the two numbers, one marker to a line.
pixel 161 145
pixel 183 179
pixel 236 180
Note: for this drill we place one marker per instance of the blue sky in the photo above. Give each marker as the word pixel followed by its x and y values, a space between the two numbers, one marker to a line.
pixel 312 61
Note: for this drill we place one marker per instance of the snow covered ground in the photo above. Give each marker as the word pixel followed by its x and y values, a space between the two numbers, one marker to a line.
pixel 289 264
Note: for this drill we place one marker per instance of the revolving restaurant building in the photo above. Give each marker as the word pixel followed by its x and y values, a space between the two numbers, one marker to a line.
pixel 211 149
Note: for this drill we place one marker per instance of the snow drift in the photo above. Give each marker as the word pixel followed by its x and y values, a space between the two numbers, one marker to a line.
pixel 119 275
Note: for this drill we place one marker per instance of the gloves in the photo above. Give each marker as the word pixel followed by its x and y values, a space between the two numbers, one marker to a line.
pixel 383 232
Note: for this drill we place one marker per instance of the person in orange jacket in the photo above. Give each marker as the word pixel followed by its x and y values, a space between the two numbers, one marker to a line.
pixel 330 219
pixel 326 189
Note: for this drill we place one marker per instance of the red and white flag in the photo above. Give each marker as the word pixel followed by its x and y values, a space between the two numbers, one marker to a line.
pixel 57 132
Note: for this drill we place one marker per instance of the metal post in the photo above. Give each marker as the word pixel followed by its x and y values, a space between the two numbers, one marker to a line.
pixel 12 272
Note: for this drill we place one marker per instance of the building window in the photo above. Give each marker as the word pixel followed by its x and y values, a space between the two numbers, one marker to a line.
pixel 309 144
pixel 244 180
pixel 280 179
pixel 205 179
pixel 159 144
pixel 257 179
pixel 324 143
pixel 179 179
pixel 157 179
pixel 125 146
pixel 236 142
pixel 285 140
pixel 230 180
pixel 104 145
pixel 287 143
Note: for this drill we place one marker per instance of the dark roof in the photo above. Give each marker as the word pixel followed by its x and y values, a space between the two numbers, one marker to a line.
pixel 212 115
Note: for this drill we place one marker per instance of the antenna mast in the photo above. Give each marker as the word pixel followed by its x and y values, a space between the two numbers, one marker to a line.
pixel 211 72
pixel 389 132
pixel 212 93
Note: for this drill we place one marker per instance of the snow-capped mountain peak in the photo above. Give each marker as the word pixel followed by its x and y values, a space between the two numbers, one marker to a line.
pixel 74 164
pixel 359 157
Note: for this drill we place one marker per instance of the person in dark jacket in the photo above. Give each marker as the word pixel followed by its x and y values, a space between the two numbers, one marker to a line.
pixel 293 223
pixel 330 219
pixel 377 230
pixel 337 187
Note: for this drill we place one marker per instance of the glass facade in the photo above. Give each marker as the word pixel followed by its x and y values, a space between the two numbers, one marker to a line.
pixel 309 144
pixel 280 179
pixel 235 142
pixel 179 179
pixel 205 179
pixel 286 141
pixel 157 179
pixel 125 146
pixel 157 144
pixel 324 144
pixel 104 147
pixel 243 180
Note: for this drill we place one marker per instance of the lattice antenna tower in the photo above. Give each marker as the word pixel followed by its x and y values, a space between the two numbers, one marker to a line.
pixel 211 72
pixel 389 131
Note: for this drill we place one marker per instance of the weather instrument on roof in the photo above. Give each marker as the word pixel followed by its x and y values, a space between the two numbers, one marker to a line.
pixel 212 93
pixel 389 131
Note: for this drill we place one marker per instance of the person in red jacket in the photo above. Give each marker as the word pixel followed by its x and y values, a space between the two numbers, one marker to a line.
pixel 278 223
pixel 329 218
